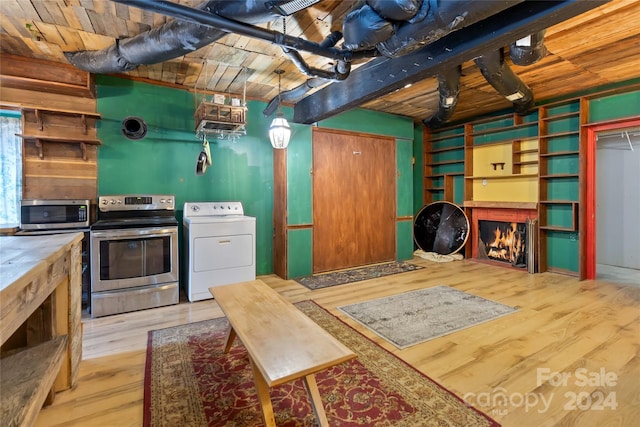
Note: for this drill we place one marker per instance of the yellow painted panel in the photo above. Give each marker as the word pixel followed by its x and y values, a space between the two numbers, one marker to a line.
pixel 483 157
pixel 516 189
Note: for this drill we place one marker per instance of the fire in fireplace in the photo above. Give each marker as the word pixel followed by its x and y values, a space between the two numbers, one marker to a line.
pixel 503 241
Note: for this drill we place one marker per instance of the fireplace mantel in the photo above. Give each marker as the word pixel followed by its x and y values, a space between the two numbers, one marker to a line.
pixel 500 205
pixel 517 212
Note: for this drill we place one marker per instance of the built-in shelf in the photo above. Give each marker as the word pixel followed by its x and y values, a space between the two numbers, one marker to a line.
pixel 503 129
pixel 553 228
pixel 559 134
pixel 445 149
pixel 447 162
pixel 560 153
pixel 561 116
pixel 560 175
pixel 39 139
pixel 517 175
pixel 558 202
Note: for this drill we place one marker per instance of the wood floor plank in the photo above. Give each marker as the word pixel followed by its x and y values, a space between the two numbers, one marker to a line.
pixel 562 325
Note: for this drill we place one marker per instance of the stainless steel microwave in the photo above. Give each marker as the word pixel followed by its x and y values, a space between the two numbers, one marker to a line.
pixel 54 214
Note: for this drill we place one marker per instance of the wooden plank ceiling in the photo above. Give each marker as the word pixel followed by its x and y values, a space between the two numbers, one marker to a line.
pixel 596 48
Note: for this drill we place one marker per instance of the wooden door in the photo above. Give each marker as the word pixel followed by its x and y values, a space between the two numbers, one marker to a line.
pixel 354 200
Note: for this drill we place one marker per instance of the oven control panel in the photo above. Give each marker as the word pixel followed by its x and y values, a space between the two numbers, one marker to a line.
pixel 136 202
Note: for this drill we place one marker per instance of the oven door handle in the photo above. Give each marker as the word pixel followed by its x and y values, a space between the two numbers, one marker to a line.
pixel 133 233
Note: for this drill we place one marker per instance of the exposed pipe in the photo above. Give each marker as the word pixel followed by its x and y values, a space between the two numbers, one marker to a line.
pixel 449 90
pixel 195 28
pixel 236 26
pixel 293 94
pixel 528 50
pixel 340 70
pixel 173 39
pixel 498 73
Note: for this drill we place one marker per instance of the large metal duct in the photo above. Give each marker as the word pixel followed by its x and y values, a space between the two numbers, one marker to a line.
pixel 528 50
pixel 448 91
pixel 171 40
pixel 498 73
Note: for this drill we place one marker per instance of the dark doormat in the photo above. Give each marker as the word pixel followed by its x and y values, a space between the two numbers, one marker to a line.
pixel 325 280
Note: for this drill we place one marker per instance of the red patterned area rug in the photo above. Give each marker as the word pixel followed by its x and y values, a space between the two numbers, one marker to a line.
pixel 189 381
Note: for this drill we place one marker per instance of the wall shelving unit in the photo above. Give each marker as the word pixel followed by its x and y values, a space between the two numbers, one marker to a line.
pixel 559 183
pixel 443 163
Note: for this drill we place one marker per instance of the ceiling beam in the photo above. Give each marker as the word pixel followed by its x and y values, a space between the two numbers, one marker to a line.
pixel 382 76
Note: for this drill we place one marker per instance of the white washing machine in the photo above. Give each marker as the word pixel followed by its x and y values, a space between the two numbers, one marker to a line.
pixel 220 246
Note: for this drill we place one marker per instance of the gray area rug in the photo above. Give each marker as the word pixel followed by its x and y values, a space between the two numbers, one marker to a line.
pixel 413 317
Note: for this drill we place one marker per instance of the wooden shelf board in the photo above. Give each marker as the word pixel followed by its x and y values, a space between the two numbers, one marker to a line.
pixel 442 175
pixel 556 228
pixel 558 202
pixel 27 377
pixel 492 118
pixel 559 134
pixel 448 162
pixel 560 153
pixel 503 205
pixel 67 140
pixel 434 189
pixel 563 175
pixel 529 162
pixel 444 150
pixel 513 175
pixel 561 116
pixel 530 151
pixel 60 111
pixel 503 129
pixel 445 137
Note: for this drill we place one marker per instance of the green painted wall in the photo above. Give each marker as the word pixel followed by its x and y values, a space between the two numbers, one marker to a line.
pixel 300 252
pixel 164 161
pixel 372 122
pixel 299 163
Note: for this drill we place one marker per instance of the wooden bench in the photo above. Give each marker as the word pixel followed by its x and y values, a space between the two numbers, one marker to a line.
pixel 282 342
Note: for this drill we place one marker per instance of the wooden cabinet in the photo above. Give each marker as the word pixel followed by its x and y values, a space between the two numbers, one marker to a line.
pixel 40 328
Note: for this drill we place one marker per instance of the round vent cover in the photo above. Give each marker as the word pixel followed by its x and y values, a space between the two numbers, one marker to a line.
pixel 134 128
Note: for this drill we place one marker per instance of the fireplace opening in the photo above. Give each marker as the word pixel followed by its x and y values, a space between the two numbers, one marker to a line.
pixel 503 241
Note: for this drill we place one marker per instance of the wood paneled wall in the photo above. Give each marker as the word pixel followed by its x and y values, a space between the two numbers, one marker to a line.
pixel 53 98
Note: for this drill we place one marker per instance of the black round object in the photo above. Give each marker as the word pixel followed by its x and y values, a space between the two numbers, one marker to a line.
pixel 441 227
pixel 134 128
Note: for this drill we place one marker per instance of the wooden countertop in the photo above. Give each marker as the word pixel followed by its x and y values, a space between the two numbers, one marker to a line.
pixel 22 260
pixel 21 256
pixel 8 228
pixel 40 279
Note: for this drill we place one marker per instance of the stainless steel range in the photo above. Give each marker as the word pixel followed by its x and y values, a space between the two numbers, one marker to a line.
pixel 134 254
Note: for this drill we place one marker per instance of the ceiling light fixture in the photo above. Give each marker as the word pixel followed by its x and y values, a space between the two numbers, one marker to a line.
pixel 279 131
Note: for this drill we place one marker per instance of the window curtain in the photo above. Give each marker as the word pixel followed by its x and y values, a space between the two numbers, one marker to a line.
pixel 11 167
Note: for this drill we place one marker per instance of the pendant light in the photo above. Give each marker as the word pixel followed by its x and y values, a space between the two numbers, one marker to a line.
pixel 279 131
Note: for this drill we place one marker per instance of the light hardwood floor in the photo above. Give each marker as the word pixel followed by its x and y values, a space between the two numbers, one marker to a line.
pixel 587 332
